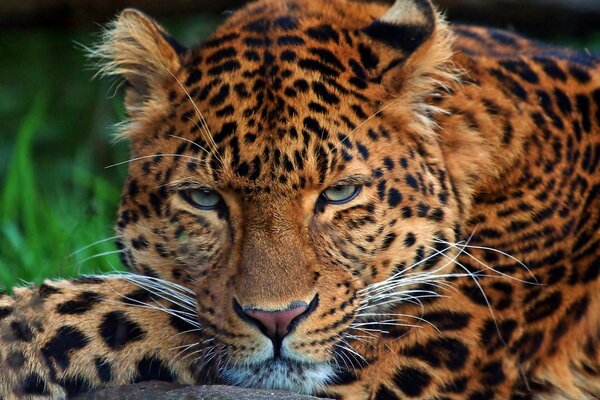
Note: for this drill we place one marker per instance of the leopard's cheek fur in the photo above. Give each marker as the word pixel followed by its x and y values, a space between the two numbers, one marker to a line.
pixel 171 241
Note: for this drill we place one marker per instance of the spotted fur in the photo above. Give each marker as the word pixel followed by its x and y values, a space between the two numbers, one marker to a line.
pixel 467 267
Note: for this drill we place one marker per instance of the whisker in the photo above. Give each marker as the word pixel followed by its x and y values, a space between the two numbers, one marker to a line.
pixel 522 264
pixel 92 245
pixel 206 130
pixel 154 156
pixel 106 253
pixel 190 141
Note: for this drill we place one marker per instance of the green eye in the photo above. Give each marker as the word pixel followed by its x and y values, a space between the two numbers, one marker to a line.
pixel 341 194
pixel 204 199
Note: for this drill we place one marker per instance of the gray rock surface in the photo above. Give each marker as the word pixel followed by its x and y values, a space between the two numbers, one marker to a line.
pixel 170 391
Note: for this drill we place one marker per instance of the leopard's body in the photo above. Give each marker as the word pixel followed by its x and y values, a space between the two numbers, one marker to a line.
pixel 466 267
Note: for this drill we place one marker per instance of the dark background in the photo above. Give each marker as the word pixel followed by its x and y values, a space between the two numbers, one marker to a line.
pixel 56 195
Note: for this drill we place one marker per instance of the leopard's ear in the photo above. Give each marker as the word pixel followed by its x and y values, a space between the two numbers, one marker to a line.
pixel 406 26
pixel 140 51
pixel 420 42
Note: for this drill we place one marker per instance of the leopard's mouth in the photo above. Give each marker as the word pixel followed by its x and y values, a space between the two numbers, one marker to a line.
pixel 280 374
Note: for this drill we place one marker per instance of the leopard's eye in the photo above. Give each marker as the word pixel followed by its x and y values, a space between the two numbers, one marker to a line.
pixel 341 194
pixel 204 199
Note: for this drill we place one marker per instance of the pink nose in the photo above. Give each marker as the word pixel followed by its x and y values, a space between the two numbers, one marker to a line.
pixel 276 323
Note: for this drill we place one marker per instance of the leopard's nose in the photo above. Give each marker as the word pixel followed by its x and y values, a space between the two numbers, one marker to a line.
pixel 276 324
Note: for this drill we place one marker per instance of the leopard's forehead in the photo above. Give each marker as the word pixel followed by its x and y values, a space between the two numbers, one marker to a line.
pixel 284 91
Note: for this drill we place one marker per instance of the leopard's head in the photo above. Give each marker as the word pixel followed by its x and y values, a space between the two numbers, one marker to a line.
pixel 288 172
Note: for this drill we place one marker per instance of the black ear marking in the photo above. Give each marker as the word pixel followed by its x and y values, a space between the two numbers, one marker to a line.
pixel 406 26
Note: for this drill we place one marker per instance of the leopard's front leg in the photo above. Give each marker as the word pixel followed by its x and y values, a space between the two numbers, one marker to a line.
pixel 463 351
pixel 68 337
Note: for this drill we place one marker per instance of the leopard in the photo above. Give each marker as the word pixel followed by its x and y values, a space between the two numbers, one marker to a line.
pixel 339 198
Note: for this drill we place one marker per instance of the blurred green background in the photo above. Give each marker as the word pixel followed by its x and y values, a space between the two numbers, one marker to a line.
pixel 57 199
pixel 56 195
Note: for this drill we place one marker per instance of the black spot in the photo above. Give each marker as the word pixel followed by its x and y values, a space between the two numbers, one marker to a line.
pixel 368 58
pixel 228 66
pixel 412 182
pixel 288 56
pixel 313 126
pixel 320 90
pixel 318 66
pixel 544 307
pixel 194 76
pixel 384 393
pixel 156 203
pixel 580 75
pixel 482 395
pixel 363 150
pixel 410 239
pixel 492 374
pixel 290 40
pixel 592 272
pixel 15 360
pixel 458 385
pixel 33 384
pixel 388 240
pixel 412 381
pixel 496 337
pixel 67 339
pixel 151 368
pixel 394 197
pixel 218 41
pixel 503 37
pixel 389 163
pixel 220 55
pixel 5 312
pixel 327 57
pixel 182 325
pixel 221 96
pixel 563 102
pixel 227 130
pixel 528 345
pixel 117 330
pixel 21 330
pixel 521 69
pixel 551 68
pixel 512 85
pixel 286 23
pixel 323 33
pixel 518 225
pixel 104 369
pixel 447 352
pixel 46 290
pixel 583 105
pixel 82 303
pixel 75 385
pixel 344 377
pixel 447 320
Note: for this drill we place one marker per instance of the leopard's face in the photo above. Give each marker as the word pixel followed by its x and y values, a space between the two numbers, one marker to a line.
pixel 283 177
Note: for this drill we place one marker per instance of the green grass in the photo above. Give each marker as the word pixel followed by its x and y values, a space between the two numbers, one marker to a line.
pixel 43 223
pixel 56 197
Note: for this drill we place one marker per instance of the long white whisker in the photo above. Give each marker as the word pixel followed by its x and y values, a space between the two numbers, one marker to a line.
pixel 198 160
pixel 92 245
pixel 190 141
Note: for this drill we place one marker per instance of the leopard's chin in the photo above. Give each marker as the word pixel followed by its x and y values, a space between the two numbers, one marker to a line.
pixel 280 374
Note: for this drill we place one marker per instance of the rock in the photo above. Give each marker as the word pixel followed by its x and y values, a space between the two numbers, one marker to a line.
pixel 170 391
